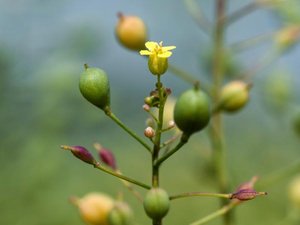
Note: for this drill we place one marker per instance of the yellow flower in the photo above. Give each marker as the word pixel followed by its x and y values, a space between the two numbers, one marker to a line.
pixel 158 56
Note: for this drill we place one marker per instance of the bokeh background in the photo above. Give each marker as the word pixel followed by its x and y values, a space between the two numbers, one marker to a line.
pixel 43 46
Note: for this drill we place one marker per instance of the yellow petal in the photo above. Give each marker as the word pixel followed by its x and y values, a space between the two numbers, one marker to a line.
pixel 164 54
pixel 168 48
pixel 145 52
pixel 151 45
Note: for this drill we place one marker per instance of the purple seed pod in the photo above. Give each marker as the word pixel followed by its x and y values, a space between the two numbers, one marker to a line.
pixel 108 158
pixel 246 194
pixel 80 153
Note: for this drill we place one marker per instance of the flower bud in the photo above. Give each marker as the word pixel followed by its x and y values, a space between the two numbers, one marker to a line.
pixel 246 194
pixel 191 112
pixel 94 208
pixel 94 86
pixel 121 214
pixel 108 158
pixel 234 96
pixel 294 192
pixel 149 132
pixel 131 32
pixel 156 203
pixel 81 153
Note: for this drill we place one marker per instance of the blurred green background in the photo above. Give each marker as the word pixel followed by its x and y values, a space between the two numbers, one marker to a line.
pixel 43 46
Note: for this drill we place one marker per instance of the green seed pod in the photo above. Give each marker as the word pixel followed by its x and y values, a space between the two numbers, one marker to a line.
pixel 157 203
pixel 94 86
pixel 191 112
pixel 234 96
pixel 121 214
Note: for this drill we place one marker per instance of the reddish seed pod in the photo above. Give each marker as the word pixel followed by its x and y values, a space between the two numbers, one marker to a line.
pixel 108 158
pixel 80 153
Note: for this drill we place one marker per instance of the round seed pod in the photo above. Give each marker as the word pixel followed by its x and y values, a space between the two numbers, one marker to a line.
pixel 294 192
pixel 94 208
pixel 94 86
pixel 156 203
pixel 191 112
pixel 131 32
pixel 121 214
pixel 234 96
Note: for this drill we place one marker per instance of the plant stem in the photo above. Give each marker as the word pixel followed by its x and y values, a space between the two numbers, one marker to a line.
pixel 157 139
pixel 183 141
pixel 198 16
pixel 200 194
pixel 223 211
pixel 116 174
pixel 110 114
pixel 216 131
pixel 238 14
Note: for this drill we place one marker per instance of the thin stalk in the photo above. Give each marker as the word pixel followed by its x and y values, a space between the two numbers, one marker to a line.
pixel 116 174
pixel 241 12
pixel 223 211
pixel 189 78
pixel 157 140
pixel 196 13
pixel 183 141
pixel 216 131
pixel 200 194
pixel 130 132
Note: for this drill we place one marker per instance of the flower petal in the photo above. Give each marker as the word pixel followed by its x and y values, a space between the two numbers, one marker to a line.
pixel 164 54
pixel 151 45
pixel 145 52
pixel 168 48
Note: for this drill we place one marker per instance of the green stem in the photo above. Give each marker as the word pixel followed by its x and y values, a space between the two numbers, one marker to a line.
pixel 116 174
pixel 198 16
pixel 110 114
pixel 157 139
pixel 216 134
pixel 183 141
pixel 238 14
pixel 200 194
pixel 223 211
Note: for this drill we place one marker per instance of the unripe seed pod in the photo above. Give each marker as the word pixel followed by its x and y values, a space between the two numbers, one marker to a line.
pixel 94 208
pixel 157 203
pixel 157 65
pixel 121 214
pixel 131 32
pixel 94 86
pixel 191 112
pixel 234 96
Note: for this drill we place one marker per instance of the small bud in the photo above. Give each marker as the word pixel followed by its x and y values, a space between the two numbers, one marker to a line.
pixel 146 107
pixel 131 32
pixel 81 153
pixel 94 208
pixel 149 132
pixel 234 96
pixel 171 124
pixel 121 214
pixel 246 194
pixel 108 158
